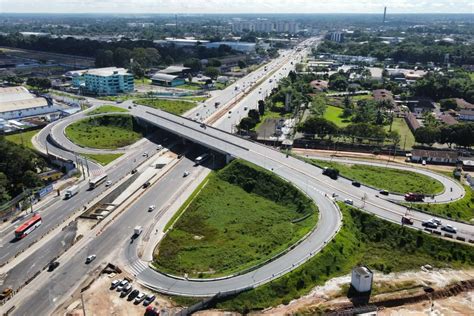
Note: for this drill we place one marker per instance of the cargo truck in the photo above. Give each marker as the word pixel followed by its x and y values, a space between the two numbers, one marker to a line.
pixel 71 192
pixel 414 197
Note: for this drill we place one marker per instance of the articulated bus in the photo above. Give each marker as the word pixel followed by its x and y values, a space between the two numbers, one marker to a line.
pixel 28 226
pixel 95 182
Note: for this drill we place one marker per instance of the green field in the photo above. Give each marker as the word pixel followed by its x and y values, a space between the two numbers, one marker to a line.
pixel 242 216
pixel 190 86
pixel 407 139
pixel 23 138
pixel 392 180
pixel 462 209
pixel 107 109
pixel 173 106
pixel 333 114
pixel 103 159
pixel 105 132
pixel 363 239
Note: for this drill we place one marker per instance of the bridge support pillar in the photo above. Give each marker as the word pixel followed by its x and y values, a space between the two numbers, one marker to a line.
pixel 228 158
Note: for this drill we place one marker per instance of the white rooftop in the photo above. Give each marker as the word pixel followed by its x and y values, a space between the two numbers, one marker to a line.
pixel 162 76
pixel 10 94
pixel 106 71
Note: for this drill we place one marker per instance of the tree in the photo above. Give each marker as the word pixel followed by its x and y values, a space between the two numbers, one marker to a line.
pixel 254 114
pixel 39 83
pixel 318 105
pixel 137 70
pixel 338 82
pixel 193 63
pixel 261 107
pixel 318 126
pixel 104 58
pixel 212 72
pixel 122 57
pixel 213 62
pixel 348 108
pixel 427 135
pixel 448 104
pixel 190 78
pixel 247 123
pixel 242 64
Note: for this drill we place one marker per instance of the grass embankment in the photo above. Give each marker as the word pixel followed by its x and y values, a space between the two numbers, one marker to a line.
pixel 462 209
pixel 390 179
pixel 105 132
pixel 242 216
pixel 363 239
pixel 190 86
pixel 173 106
pixel 23 139
pixel 103 159
pixel 333 114
pixel 107 109
pixel 407 140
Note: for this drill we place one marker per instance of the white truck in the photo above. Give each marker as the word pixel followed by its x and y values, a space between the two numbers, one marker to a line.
pixel 137 231
pixel 71 191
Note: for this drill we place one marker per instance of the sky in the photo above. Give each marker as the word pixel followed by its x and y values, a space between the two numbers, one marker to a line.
pixel 236 6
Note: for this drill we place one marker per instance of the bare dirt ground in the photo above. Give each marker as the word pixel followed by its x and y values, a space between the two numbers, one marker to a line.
pixel 387 286
pixel 100 300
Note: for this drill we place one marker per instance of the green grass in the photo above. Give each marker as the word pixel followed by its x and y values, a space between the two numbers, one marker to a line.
pixel 173 106
pixel 462 209
pixel 270 115
pixel 402 128
pixel 195 98
pixel 363 239
pixel 23 138
pixel 105 132
pixel 242 216
pixel 103 159
pixel 190 86
pixel 333 114
pixel 390 179
pixel 107 109
pixel 142 81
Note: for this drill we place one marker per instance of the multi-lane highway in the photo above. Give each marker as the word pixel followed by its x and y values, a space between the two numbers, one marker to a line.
pixel 305 176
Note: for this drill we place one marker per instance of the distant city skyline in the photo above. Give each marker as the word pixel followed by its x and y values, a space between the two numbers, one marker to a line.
pixel 236 6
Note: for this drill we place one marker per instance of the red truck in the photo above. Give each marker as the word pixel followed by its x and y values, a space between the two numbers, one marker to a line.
pixel 414 197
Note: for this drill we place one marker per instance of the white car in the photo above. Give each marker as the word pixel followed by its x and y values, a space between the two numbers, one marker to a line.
pixel 159 147
pixel 186 173
pixel 121 285
pixel 151 208
pixel 450 229
pixel 108 183
pixel 145 154
pixel 140 297
pixel 90 258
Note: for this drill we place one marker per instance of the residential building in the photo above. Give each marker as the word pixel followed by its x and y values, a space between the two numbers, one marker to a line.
pixel 447 119
pixel 462 104
pixel 383 95
pixel 337 37
pixel 264 26
pixel 466 115
pixel 18 102
pixel 434 156
pixel 166 80
pixel 102 81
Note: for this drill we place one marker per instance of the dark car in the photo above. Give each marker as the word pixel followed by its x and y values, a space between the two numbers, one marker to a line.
pixel 150 298
pixel 407 220
pixel 126 290
pixel 180 156
pixel 356 184
pixel 134 171
pixel 133 294
pixel 53 265
pixel 429 224
pixel 384 192
pixel 146 184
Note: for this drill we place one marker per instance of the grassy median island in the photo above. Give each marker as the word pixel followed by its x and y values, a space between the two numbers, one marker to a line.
pixel 462 209
pixel 106 109
pixel 173 106
pixel 103 159
pixel 241 217
pixel 105 132
pixel 390 179
pixel 363 239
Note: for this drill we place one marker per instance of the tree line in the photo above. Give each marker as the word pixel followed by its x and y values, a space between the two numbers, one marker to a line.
pixel 18 169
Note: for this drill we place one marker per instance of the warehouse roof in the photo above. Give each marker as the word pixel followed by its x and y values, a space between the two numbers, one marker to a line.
pixel 23 104
pixel 163 77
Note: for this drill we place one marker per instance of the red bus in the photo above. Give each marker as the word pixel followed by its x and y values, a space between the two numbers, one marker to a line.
pixel 28 226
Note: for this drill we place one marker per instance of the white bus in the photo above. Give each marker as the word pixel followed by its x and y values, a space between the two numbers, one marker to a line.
pixel 95 182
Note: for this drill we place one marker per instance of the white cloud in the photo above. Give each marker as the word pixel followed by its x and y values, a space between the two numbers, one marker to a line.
pixel 237 6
